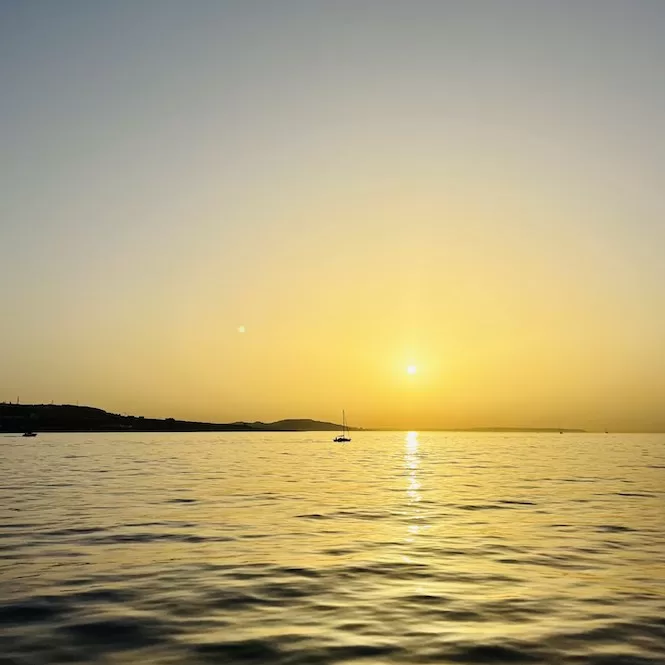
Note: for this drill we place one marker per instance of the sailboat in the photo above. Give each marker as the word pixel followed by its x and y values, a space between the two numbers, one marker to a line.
pixel 344 436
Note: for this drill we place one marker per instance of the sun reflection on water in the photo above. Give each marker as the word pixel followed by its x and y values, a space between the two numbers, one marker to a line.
pixel 412 463
pixel 412 466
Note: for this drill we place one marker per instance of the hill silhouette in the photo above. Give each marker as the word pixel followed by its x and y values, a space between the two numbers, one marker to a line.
pixel 17 418
pixel 296 425
pixel 70 418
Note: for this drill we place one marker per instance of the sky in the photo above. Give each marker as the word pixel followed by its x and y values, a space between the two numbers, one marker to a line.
pixel 470 188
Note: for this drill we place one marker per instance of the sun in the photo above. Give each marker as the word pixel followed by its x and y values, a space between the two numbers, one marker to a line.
pixel 411 369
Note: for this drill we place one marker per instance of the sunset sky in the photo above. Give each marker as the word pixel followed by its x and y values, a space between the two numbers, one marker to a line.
pixel 475 189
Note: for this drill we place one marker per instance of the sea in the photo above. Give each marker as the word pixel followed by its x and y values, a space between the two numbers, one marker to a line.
pixel 399 547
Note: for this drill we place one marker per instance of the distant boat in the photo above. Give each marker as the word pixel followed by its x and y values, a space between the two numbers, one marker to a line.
pixel 344 436
pixel 30 434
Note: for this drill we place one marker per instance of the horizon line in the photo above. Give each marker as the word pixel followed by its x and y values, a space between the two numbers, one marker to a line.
pixel 478 429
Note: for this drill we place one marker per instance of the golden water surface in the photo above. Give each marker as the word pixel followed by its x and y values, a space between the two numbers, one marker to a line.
pixel 289 548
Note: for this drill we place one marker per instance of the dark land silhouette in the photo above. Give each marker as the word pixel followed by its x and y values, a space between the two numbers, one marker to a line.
pixel 18 418
pixel 71 418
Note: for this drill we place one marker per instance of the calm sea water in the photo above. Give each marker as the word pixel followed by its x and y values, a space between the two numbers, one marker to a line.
pixel 288 548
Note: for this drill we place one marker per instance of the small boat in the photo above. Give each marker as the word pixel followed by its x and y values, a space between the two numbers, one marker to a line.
pixel 30 434
pixel 344 436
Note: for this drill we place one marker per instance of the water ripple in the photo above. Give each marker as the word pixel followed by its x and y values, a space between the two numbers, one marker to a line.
pixel 287 549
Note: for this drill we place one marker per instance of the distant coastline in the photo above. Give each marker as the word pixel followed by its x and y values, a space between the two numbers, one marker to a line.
pixel 526 430
pixel 17 418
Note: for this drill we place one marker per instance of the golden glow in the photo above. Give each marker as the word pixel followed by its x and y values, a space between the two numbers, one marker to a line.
pixel 488 347
pixel 420 269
